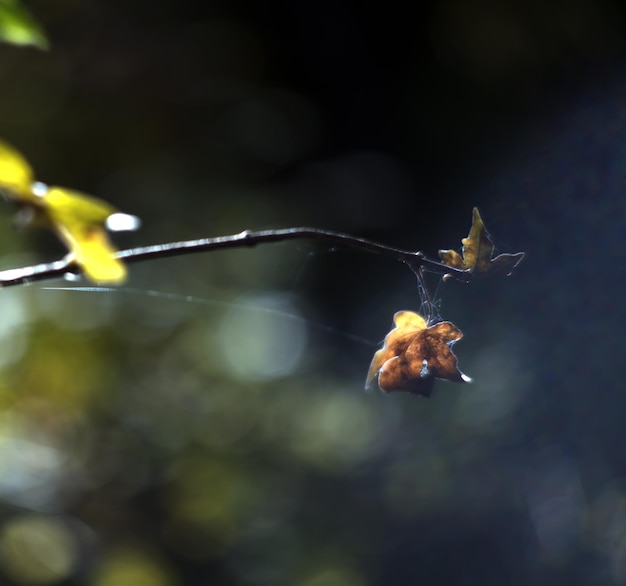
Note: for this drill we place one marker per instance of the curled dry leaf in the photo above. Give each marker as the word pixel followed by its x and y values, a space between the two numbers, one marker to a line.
pixel 477 251
pixel 79 220
pixel 415 354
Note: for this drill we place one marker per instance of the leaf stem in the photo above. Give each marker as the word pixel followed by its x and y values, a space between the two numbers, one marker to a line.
pixel 416 261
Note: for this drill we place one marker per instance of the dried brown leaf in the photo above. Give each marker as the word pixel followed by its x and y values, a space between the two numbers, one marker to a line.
pixel 477 252
pixel 414 355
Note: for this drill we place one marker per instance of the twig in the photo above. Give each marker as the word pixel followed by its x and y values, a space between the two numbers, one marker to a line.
pixel 414 260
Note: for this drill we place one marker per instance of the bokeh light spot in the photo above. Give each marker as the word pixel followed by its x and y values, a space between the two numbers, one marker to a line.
pixel 133 568
pixel 37 549
pixel 262 337
pixel 333 576
pixel 500 382
pixel 330 430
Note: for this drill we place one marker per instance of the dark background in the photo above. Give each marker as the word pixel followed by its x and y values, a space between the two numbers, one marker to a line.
pixel 205 437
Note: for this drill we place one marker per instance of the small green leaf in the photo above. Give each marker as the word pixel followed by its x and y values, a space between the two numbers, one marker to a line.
pixel 18 27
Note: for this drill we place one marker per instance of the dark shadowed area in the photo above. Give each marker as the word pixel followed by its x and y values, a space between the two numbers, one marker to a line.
pixel 206 423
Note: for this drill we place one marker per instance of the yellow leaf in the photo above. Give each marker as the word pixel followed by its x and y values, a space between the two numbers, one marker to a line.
pixel 16 175
pixel 78 219
pixel 67 206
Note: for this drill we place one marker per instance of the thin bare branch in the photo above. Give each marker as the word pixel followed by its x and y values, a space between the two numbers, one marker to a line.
pixel 247 238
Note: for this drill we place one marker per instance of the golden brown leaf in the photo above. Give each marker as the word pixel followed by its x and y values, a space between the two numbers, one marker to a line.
pixel 414 355
pixel 477 251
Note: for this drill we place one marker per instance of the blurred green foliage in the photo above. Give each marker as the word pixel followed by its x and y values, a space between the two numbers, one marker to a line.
pixel 18 27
